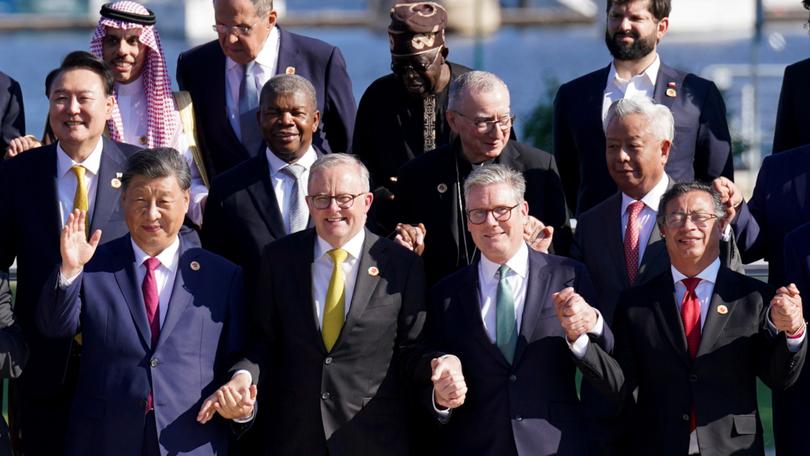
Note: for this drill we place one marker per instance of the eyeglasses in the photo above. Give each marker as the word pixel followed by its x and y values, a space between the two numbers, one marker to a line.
pixel 344 200
pixel 241 30
pixel 402 67
pixel 484 125
pixel 500 213
pixel 678 219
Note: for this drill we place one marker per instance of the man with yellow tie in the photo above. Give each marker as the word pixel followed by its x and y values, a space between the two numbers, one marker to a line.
pixel 40 189
pixel 340 314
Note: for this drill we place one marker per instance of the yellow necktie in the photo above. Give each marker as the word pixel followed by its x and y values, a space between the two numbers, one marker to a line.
pixel 80 197
pixel 333 309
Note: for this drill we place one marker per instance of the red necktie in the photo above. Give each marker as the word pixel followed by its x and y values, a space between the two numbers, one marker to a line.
pixel 690 314
pixel 150 300
pixel 631 239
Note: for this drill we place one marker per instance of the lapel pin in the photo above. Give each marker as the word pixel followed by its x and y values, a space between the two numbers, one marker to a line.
pixel 671 92
pixel 722 309
pixel 195 266
pixel 442 188
pixel 143 140
pixel 373 271
pixel 290 70
pixel 115 182
pixel 393 179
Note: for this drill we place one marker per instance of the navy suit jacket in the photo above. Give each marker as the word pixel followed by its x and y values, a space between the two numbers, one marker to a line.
pixel 199 340
pixel 792 116
pixel 531 406
pixel 12 115
pixel 201 71
pixel 701 150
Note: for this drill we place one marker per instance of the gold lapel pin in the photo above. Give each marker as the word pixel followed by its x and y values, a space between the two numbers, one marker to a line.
pixel 442 188
pixel 722 309
pixel 373 271
pixel 290 70
pixel 115 182
pixel 143 140
pixel 195 266
pixel 671 93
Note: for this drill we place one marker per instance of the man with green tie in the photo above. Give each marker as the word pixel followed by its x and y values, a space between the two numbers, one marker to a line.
pixel 340 313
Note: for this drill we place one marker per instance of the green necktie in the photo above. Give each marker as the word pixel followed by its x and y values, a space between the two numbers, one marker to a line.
pixel 505 325
pixel 333 308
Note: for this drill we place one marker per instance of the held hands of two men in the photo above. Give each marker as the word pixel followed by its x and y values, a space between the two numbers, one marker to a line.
pixel 449 386
pixel 576 316
pixel 537 235
pixel 411 237
pixel 20 144
pixel 730 195
pixel 233 400
pixel 74 246
pixel 786 310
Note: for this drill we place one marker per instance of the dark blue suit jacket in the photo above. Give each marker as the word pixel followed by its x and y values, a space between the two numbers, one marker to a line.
pixel 201 71
pixel 531 406
pixel 199 339
pixel 701 150
pixel 12 115
pixel 793 116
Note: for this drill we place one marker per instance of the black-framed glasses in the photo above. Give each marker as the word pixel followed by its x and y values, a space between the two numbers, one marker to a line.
pixel 344 200
pixel 500 213
pixel 242 30
pixel 403 66
pixel 678 219
pixel 485 125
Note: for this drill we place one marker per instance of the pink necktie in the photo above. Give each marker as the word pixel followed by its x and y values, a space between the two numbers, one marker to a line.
pixel 631 239
pixel 150 300
pixel 690 314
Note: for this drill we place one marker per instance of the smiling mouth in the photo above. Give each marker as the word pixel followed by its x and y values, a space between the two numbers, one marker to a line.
pixel 74 123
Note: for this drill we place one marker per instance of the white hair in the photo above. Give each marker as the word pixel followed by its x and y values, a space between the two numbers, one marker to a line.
pixel 472 82
pixel 659 118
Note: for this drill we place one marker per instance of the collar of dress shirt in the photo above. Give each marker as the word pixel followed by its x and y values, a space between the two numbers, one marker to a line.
pixel 267 56
pixel 276 164
pixel 519 263
pixel 651 72
pixel 92 163
pixel 652 198
pixel 133 89
pixel 709 274
pixel 354 246
pixel 168 258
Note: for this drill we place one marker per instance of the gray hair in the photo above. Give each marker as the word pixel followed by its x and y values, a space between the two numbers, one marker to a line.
pixel 686 187
pixel 496 174
pixel 472 82
pixel 659 118
pixel 262 6
pixel 338 159
pixel 155 164
pixel 289 83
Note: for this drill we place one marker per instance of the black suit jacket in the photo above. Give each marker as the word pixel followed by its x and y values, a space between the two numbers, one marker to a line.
pixel 12 115
pixel 430 191
pixel 701 150
pixel 351 399
pixel 531 406
pixel 792 116
pixel 201 71
pixel 242 216
pixel 735 348
pixel 30 232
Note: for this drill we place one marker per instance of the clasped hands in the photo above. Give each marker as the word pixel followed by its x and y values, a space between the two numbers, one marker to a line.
pixel 786 311
pixel 449 387
pixel 576 316
pixel 233 400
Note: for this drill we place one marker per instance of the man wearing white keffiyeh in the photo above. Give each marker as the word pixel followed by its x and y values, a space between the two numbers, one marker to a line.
pixel 144 113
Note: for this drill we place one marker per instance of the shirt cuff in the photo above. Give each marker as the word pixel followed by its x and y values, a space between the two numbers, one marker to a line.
pixel 793 343
pixel 65 282
pixel 198 193
pixel 726 235
pixel 580 346
pixel 441 412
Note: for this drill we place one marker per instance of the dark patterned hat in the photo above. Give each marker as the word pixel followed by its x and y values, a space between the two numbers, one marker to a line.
pixel 416 27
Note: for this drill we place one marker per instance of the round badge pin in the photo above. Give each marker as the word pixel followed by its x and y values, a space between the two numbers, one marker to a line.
pixel 671 92
pixel 722 310
pixel 115 182
pixel 441 188
pixel 373 271
pixel 290 70
pixel 195 266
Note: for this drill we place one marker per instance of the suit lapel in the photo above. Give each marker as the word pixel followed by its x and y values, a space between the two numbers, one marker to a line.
pixel 596 99
pixel 182 289
pixel 130 289
pixel 302 272
pixel 468 298
pixel 537 293
pixel 365 284
pixel 655 255
pixel 287 52
pixel 614 241
pixel 107 196
pixel 50 198
pixel 666 76
pixel 715 321
pixel 264 197
pixel 666 312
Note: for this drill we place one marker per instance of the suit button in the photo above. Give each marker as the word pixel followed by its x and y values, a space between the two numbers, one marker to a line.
pixel 693 378
pixel 685 417
pixel 518 418
pixel 325 396
pixel 513 378
pixel 328 360
pixel 154 362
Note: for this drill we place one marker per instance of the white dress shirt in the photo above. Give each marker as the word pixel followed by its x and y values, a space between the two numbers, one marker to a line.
pixel 283 182
pixel 322 272
pixel 131 100
pixel 516 279
pixel 639 85
pixel 66 180
pixel 646 218
pixel 165 273
pixel 267 61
